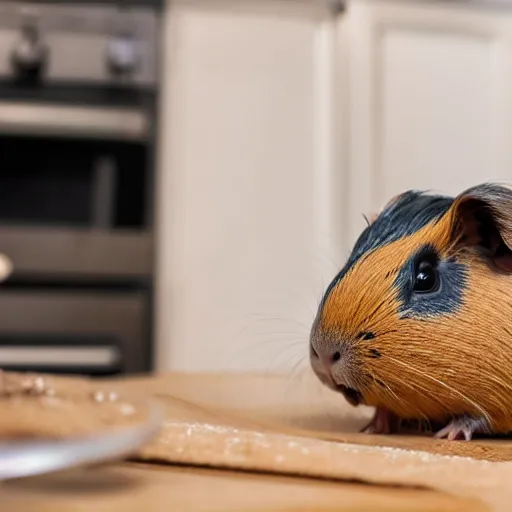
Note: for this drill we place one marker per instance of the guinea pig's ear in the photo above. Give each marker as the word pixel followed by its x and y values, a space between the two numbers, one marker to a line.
pixel 482 217
pixel 370 219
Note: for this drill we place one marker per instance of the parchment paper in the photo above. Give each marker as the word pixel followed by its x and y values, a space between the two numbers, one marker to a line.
pixel 297 427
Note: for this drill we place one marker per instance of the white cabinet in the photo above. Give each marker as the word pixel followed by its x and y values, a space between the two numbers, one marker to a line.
pixel 248 214
pixel 430 98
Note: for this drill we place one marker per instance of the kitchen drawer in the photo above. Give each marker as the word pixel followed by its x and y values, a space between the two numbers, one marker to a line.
pixel 73 331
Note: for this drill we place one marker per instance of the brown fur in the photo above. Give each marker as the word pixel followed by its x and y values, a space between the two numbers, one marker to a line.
pixel 459 363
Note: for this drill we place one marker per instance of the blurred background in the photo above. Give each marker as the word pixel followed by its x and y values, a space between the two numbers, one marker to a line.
pixel 181 179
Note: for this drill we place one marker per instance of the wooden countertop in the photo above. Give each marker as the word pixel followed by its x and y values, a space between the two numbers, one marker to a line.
pixel 138 487
pixel 239 411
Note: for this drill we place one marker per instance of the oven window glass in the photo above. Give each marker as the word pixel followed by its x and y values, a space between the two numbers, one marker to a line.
pixel 66 182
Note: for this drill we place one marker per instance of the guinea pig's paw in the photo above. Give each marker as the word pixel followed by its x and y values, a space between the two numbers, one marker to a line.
pixel 383 422
pixel 462 427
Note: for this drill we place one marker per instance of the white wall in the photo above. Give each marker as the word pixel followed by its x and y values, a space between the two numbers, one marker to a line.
pixel 247 224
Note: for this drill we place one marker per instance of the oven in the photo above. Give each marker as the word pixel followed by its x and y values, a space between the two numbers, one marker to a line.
pixel 78 91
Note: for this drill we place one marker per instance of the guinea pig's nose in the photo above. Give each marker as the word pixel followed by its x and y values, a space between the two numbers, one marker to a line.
pixel 336 369
pixel 328 356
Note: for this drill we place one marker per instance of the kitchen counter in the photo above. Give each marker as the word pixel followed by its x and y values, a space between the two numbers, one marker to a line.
pixel 127 487
pixel 269 443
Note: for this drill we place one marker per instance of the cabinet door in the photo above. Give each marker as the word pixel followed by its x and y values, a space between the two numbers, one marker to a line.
pixel 430 99
pixel 246 229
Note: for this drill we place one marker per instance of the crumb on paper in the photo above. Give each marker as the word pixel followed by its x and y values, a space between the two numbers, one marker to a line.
pixel 237 442
pixel 127 409
pixel 99 396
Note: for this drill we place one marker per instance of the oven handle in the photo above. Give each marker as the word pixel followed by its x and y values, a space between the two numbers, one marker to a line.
pixel 68 121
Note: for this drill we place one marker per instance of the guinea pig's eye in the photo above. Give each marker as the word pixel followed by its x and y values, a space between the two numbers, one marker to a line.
pixel 426 278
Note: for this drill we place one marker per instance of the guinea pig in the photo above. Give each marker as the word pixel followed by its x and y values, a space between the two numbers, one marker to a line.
pixel 418 322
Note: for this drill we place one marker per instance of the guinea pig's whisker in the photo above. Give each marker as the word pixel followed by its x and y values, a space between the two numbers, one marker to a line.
pixel 292 356
pixel 273 342
pixel 259 318
pixel 294 372
pixel 251 329
pixel 257 328
pixel 285 353
pixel 386 387
pixel 271 347
pixel 389 391
pixel 414 407
pixel 393 394
pixel 408 404
pixel 491 377
pixel 272 336
pixel 423 393
pixel 440 382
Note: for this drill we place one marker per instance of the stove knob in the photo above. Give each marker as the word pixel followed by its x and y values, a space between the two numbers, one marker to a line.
pixel 122 55
pixel 29 56
pixel 6 267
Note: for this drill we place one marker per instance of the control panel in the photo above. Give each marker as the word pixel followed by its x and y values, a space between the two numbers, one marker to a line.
pixel 78 42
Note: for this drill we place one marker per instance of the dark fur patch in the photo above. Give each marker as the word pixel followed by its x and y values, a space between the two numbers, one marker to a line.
pixel 374 353
pixel 445 300
pixel 412 211
pixel 366 335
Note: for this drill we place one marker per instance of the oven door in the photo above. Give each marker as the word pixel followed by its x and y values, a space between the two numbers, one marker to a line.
pixel 75 184
pixel 82 332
